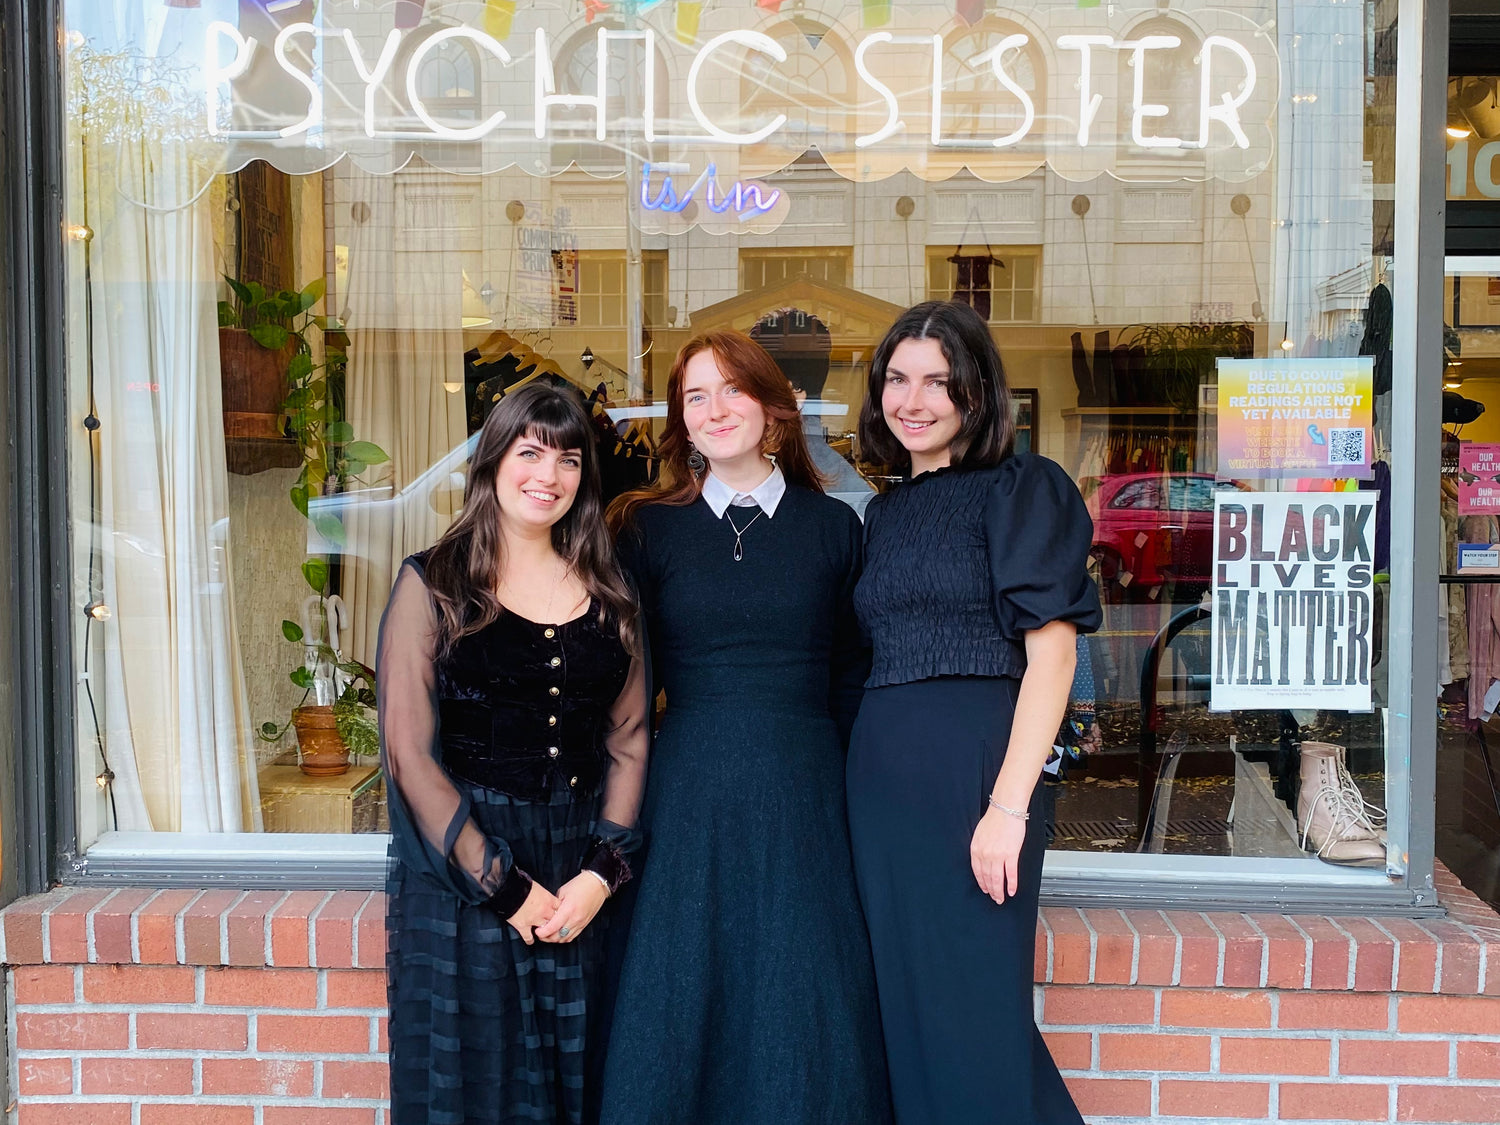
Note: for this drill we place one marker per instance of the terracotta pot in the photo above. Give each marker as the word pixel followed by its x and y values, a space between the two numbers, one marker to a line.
pixel 322 751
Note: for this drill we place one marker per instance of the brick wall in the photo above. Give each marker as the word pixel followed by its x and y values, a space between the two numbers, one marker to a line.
pixel 142 1007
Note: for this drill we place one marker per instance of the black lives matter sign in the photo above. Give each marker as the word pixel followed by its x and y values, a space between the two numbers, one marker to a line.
pixel 1293 600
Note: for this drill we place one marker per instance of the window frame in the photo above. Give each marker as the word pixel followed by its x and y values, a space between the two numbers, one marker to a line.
pixel 940 252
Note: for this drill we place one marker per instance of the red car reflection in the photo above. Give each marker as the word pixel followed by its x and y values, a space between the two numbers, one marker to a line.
pixel 1152 528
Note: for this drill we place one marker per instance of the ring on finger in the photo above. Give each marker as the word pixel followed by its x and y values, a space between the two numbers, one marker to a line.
pixel 563 933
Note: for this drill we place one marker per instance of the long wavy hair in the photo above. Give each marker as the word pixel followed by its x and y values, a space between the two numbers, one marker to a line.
pixel 976 385
pixel 464 568
pixel 748 366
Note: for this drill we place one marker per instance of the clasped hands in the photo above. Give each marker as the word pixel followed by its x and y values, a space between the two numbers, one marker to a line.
pixel 545 915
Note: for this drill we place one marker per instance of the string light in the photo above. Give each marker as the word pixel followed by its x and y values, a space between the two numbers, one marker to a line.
pixel 98 611
pixel 80 233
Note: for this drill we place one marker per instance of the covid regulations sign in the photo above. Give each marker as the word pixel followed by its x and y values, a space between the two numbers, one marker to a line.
pixel 1293 600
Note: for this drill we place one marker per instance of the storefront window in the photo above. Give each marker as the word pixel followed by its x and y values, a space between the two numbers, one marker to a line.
pixel 322 241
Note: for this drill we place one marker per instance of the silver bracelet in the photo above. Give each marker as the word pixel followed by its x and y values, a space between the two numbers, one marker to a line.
pixel 1009 812
pixel 602 880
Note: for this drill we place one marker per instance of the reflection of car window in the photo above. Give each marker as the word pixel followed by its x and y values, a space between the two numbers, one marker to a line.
pixel 1142 494
pixel 1192 494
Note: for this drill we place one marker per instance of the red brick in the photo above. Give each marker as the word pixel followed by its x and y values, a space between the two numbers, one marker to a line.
pixel 203 928
pixel 1374 956
pixel 44 984
pixel 73 1031
pixel 1450 1015
pixel 367 1080
pixel 327 1035
pixel 290 926
pixel 1460 963
pixel 281 1078
pixel 1216 1008
pixel 1286 952
pixel 356 989
pixel 1156 962
pixel 382 1036
pixel 1479 1104
pixel 67 927
pixel 1491 966
pixel 191 1031
pixel 1213 1098
pixel 1416 955
pixel 1389 1058
pixel 180 1114
pixel 1326 1101
pixel 1113 1097
pixel 1119 1051
pixel 1039 950
pixel 156 926
pixel 333 929
pixel 1071 1050
pixel 137 1075
pixel 40 1077
pixel 247 927
pixel 260 988
pixel 1478 1060
pixel 1312 1011
pixel 1072 956
pixel 1098 1006
pixel 1243 948
pixel 112 941
pixel 23 927
pixel 317 1115
pixel 1200 950
pixel 1273 1056
pixel 1330 951
pixel 66 1113
pixel 138 984
pixel 1114 946
pixel 370 934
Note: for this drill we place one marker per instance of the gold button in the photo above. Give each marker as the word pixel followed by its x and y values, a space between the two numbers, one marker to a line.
pixel 574 781
pixel 552 751
pixel 554 691
pixel 552 720
pixel 550 633
pixel 555 661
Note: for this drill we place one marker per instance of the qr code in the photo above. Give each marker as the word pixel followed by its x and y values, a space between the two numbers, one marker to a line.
pixel 1346 447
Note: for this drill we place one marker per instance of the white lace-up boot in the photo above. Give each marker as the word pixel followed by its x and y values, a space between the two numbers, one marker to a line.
pixel 1331 812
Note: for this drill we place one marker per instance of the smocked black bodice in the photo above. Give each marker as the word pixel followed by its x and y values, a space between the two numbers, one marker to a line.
pixel 960 565
pixel 524 707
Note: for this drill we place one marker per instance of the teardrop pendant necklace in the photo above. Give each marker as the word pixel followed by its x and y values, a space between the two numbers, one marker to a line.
pixel 739 532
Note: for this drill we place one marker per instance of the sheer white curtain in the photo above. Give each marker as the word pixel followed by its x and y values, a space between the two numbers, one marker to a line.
pixel 405 309
pixel 167 679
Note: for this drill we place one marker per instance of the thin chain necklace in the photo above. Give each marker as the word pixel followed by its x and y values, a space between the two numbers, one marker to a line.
pixel 739 532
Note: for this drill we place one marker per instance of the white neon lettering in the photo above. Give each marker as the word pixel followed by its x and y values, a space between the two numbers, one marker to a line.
pixel 892 109
pixel 372 78
pixel 315 92
pixel 937 89
pixel 215 75
pixel 1139 108
pixel 992 56
pixel 1088 101
pixel 546 85
pixel 750 40
pixel 414 68
pixel 1229 111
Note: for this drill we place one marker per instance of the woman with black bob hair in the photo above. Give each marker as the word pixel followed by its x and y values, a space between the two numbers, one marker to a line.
pixel 974 589
pixel 513 737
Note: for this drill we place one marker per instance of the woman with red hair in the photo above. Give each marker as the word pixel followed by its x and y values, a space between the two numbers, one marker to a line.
pixel 747 992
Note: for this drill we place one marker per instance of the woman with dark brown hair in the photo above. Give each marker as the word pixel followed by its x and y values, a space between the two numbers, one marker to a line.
pixel 747 993
pixel 513 736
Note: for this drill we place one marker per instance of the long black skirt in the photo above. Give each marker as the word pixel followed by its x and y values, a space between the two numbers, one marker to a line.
pixel 953 969
pixel 484 1029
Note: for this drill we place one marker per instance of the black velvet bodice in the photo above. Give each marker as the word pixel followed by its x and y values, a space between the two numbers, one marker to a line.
pixel 524 707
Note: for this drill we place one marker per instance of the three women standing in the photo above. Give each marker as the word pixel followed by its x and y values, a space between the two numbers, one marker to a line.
pixel 974 589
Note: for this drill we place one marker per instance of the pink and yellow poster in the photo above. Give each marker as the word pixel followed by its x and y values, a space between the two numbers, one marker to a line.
pixel 1288 418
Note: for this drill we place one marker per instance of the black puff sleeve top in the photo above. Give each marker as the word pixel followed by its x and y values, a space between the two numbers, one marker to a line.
pixel 961 564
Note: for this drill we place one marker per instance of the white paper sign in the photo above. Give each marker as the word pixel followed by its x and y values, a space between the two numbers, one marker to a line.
pixel 1293 600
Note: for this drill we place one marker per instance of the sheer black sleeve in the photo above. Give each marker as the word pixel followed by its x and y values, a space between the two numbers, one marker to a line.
pixel 1039 533
pixel 431 829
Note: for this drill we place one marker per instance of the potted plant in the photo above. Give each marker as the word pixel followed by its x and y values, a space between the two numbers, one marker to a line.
pixel 310 411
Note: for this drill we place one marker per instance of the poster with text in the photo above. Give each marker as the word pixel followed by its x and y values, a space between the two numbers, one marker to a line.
pixel 1293 600
pixel 1285 418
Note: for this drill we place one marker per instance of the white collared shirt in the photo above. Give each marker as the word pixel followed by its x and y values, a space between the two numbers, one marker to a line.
pixel 767 494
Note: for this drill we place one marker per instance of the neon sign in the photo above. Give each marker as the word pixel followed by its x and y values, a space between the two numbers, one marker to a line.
pixel 744 201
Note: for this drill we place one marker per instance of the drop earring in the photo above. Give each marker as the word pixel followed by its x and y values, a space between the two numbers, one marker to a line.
pixel 771 457
pixel 696 463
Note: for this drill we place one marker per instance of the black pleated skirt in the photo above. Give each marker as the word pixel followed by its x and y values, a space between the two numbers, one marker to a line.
pixel 484 1029
pixel 953 969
